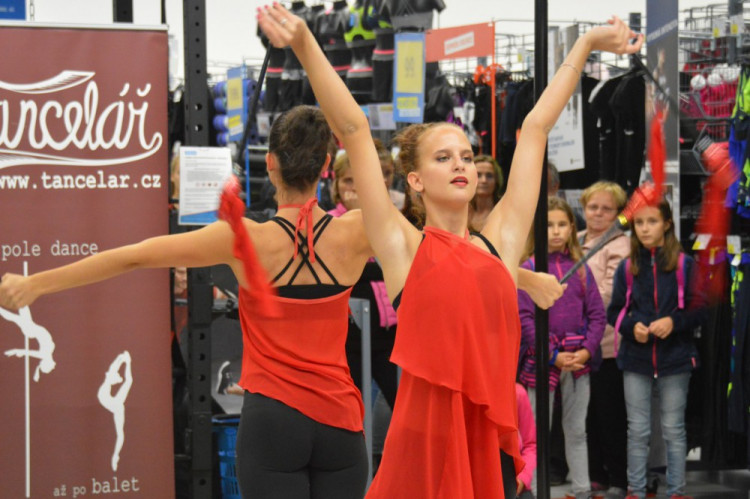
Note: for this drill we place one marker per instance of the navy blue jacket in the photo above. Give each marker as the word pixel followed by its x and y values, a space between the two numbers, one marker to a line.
pixel 657 357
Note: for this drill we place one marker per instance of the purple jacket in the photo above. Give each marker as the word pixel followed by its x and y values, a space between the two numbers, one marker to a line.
pixel 579 311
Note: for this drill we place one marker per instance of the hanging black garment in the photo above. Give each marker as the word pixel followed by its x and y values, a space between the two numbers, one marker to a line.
pixel 599 105
pixel 439 100
pixel 708 395
pixel 273 75
pixel 482 123
pixel 628 103
pixel 739 395
pixel 382 65
pixel 330 29
pixel 317 10
pixel 292 74
pixel 518 103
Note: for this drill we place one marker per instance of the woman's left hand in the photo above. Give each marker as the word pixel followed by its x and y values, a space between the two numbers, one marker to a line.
pixel 615 38
pixel 661 328
pixel 280 26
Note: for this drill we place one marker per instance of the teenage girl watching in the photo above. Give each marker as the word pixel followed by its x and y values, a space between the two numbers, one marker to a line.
pixel 576 324
pixel 458 322
pixel 657 351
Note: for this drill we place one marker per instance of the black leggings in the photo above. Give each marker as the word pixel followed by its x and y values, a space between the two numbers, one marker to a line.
pixel 283 453
pixel 508 469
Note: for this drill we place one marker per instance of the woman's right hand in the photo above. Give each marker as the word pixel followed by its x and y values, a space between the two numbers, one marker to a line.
pixel 15 292
pixel 281 26
pixel 615 38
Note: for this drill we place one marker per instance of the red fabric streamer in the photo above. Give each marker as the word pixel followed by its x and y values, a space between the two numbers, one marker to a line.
pixel 714 217
pixel 657 153
pixel 232 210
pixel 644 195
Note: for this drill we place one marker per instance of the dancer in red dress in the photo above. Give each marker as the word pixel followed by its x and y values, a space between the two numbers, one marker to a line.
pixel 458 331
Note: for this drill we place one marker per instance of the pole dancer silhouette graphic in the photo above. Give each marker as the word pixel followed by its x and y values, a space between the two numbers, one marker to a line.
pixel 116 403
pixel 45 348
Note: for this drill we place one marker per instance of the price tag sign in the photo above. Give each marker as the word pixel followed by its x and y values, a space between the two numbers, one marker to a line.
pixel 734 245
pixel 701 242
pixel 409 77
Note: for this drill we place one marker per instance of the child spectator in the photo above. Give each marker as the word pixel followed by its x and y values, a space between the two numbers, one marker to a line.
pixel 576 325
pixel 655 308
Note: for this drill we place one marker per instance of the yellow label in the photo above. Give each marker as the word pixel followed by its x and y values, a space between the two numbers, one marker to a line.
pixel 407 102
pixel 410 77
pixel 234 121
pixel 234 93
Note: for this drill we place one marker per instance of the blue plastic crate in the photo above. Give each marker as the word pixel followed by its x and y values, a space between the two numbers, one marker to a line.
pixel 226 438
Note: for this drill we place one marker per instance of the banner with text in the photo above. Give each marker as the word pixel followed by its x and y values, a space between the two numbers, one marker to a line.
pixel 662 40
pixel 86 380
pixel 565 142
pixel 473 40
pixel 408 78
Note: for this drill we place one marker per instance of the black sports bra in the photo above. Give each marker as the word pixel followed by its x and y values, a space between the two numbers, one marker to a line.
pixel 306 291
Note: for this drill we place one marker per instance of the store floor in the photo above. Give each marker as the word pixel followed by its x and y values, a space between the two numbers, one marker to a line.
pixel 727 484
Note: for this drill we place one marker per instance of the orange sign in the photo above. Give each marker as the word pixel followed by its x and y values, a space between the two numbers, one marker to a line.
pixel 474 40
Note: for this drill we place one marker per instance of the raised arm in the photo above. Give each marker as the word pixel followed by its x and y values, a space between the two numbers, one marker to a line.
pixel 509 222
pixel 210 245
pixel 387 230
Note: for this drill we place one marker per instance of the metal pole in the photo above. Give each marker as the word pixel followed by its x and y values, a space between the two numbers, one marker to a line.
pixel 541 321
pixel 200 289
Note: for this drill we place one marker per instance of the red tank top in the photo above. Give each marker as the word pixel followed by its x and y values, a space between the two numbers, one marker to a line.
pixel 457 342
pixel 293 349
pixel 299 358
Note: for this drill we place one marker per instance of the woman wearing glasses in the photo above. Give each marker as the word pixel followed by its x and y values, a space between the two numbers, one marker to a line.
pixel 607 423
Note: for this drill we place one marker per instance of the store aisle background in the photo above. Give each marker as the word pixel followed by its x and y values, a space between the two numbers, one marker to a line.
pixel 231 25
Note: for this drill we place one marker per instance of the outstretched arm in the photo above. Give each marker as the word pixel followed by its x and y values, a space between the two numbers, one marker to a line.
pixel 393 239
pixel 509 222
pixel 210 245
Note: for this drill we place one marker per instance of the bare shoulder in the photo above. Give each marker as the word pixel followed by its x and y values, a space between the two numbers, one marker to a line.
pixel 349 229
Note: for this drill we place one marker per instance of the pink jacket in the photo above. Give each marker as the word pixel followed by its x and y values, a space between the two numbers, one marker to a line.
pixel 527 435
pixel 603 265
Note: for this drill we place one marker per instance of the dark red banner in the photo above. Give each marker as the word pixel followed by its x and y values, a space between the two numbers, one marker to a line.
pixel 86 378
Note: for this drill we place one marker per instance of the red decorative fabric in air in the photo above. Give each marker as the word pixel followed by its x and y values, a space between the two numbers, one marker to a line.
pixel 457 343
pixel 305 216
pixel 232 210
pixel 296 354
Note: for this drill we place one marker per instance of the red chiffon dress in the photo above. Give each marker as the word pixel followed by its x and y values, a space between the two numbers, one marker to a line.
pixel 457 343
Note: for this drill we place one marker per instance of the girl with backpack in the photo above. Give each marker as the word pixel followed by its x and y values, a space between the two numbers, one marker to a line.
pixel 655 307
pixel 576 325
